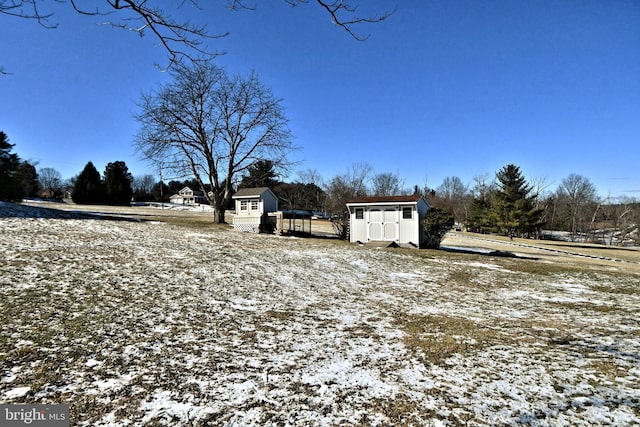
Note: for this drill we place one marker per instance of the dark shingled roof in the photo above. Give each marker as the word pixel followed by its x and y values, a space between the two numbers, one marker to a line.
pixel 388 199
pixel 250 192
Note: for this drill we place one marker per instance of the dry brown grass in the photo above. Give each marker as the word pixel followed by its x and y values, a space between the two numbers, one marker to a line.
pixel 438 337
pixel 313 327
pixel 398 409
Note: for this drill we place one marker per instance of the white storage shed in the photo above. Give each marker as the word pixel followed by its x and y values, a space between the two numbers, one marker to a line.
pixel 252 206
pixel 392 220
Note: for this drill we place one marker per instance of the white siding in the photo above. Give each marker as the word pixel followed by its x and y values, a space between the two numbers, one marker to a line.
pixel 251 207
pixel 408 227
pixel 244 208
pixel 358 231
pixel 386 221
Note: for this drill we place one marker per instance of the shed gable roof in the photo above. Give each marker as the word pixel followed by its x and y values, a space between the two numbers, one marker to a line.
pixel 252 192
pixel 414 198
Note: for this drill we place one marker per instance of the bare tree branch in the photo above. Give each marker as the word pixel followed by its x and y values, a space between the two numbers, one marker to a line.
pixel 343 14
pixel 181 40
pixel 27 9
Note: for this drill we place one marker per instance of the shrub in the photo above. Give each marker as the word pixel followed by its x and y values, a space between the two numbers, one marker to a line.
pixel 435 225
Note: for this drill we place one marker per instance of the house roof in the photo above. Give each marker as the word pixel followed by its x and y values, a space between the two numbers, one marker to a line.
pixel 414 198
pixel 252 192
pixel 189 190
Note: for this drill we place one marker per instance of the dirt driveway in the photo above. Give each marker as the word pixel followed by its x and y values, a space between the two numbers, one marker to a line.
pixel 627 259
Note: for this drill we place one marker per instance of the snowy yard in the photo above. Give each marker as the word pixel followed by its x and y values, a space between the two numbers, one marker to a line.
pixel 134 323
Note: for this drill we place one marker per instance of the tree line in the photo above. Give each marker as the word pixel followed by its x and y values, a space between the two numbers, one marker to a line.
pixel 19 179
pixel 507 204
pixel 114 188
pixel 510 204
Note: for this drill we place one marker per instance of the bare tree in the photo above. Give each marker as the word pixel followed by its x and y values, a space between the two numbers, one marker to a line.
pixel 577 194
pixel 619 213
pixel 451 188
pixel 310 176
pixel 454 196
pixel 540 187
pixel 212 126
pixel 144 183
pixel 634 235
pixel 387 184
pixel 358 178
pixel 339 190
pixel 314 182
pixel 343 187
pixel 179 39
pixel 50 180
pixel 483 187
pixel 143 186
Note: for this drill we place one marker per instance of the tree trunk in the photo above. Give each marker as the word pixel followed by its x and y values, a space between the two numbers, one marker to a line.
pixel 221 200
pixel 219 213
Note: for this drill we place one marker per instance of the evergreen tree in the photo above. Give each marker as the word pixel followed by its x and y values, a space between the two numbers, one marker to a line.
pixel 28 179
pixel 174 187
pixel 260 174
pixel 436 223
pixel 308 197
pixel 117 184
pixel 480 216
pixel 514 204
pixel 10 188
pixel 88 188
pixel 160 192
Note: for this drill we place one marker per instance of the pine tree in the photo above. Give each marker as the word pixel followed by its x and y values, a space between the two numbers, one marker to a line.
pixel 10 188
pixel 160 192
pixel 88 188
pixel 480 216
pixel 514 204
pixel 117 184
pixel 260 174
pixel 27 179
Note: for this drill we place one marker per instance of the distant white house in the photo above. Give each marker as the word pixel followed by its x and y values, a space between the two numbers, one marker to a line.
pixel 392 220
pixel 187 196
pixel 252 206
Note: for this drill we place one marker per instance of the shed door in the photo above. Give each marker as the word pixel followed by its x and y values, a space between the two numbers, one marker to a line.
pixel 383 224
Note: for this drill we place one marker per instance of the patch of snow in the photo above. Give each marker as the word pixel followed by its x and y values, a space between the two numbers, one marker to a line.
pixel 361 264
pixel 162 325
pixel 16 393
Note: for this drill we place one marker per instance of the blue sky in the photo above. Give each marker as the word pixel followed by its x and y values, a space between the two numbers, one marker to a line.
pixel 442 88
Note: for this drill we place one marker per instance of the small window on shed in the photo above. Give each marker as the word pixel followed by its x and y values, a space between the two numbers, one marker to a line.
pixel 254 205
pixel 243 205
pixel 359 213
pixel 407 213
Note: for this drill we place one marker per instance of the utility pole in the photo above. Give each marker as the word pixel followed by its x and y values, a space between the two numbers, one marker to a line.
pixel 161 185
